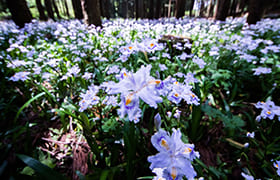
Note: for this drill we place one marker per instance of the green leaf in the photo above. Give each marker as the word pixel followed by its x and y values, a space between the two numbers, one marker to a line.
pixel 231 122
pixel 146 177
pixel 43 171
pixel 27 104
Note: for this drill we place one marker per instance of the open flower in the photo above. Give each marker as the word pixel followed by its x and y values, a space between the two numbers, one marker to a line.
pixel 174 156
pixel 22 76
pixel 269 110
pixel 135 86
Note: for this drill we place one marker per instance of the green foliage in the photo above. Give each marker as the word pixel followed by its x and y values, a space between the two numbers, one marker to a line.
pixel 43 171
pixel 229 121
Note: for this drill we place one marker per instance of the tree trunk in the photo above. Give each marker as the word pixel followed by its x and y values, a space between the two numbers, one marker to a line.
pixel 66 8
pixel 91 11
pixel 201 11
pixel 77 9
pixel 139 9
pixel 20 12
pixel 105 8
pixel 222 10
pixel 55 9
pixel 49 9
pixel 158 9
pixel 123 9
pixel 211 8
pixel 151 9
pixel 191 7
pixel 42 15
pixel 256 9
pixel 241 6
pixel 233 8
pixel 130 11
pixel 101 8
pixel 169 9
pixel 180 8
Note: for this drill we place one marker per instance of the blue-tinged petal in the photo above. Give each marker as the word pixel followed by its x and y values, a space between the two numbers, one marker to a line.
pixel 149 97
pixel 189 152
pixel 159 160
pixel 157 121
pixel 162 141
pixel 184 168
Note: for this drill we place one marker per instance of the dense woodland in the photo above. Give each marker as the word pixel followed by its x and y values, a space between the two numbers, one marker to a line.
pixel 92 11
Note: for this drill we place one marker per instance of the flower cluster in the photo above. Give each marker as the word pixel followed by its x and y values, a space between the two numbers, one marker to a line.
pixel 89 98
pixel 174 157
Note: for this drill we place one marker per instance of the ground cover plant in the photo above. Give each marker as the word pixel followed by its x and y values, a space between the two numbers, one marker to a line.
pixel 147 99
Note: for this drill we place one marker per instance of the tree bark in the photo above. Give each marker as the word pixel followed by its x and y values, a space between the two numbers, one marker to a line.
pixel 41 9
pixel 151 9
pixel 191 7
pixel 210 8
pixel 124 9
pixel 20 12
pixel 233 9
pixel 201 11
pixel 77 7
pixel 139 9
pixel 158 9
pixel 180 8
pixel 256 9
pixel 66 8
pixel 222 10
pixel 106 6
pixel 49 9
pixel 91 11
pixel 55 9
pixel 241 6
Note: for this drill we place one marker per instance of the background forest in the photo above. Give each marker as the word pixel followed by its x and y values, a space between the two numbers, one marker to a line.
pixel 139 89
pixel 149 9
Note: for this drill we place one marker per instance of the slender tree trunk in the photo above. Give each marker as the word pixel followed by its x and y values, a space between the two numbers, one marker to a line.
pixel 201 11
pixel 210 8
pixel 140 9
pixel 124 9
pixel 256 9
pixel 241 6
pixel 42 15
pixel 66 8
pixel 136 3
pixel 101 7
pixel 105 8
pixel 91 11
pixel 191 7
pixel 112 9
pixel 77 9
pixel 180 8
pixel 49 9
pixel 222 10
pixel 151 9
pixel 158 9
pixel 55 9
pixel 169 9
pixel 232 8
pixel 130 9
pixel 62 7
pixel 20 12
